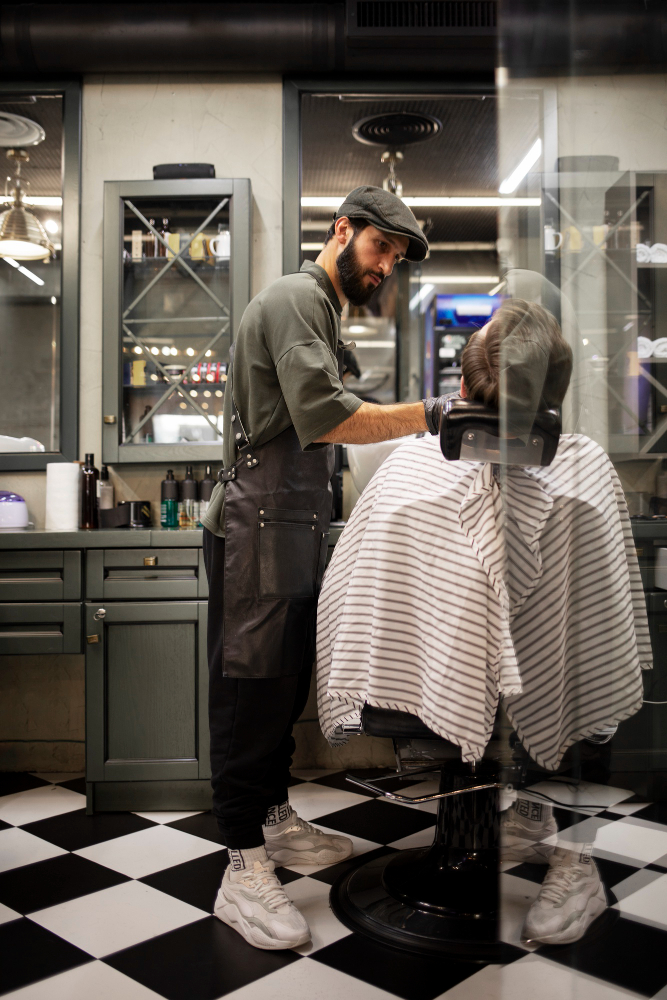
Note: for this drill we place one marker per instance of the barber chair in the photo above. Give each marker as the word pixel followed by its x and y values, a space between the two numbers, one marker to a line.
pixel 443 899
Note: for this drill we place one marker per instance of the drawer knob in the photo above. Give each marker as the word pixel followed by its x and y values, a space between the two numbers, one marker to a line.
pixel 150 560
pixel 109 418
pixel 92 639
pixel 99 614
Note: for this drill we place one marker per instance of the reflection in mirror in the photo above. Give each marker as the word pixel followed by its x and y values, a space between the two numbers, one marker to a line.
pixel 31 153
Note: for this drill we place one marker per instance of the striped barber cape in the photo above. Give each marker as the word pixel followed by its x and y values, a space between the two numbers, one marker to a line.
pixel 449 590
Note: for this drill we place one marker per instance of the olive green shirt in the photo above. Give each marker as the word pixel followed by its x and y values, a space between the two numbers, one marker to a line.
pixel 285 370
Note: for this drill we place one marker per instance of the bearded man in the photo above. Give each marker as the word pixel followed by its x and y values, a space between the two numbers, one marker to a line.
pixel 265 543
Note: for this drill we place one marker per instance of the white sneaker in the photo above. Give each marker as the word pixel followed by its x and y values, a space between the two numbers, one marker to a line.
pixel 302 844
pixel 570 899
pixel 253 902
pixel 522 838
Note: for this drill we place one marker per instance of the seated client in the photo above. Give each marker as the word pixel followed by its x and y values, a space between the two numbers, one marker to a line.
pixel 458 585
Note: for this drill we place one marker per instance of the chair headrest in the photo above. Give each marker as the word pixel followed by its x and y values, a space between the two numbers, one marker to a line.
pixel 471 431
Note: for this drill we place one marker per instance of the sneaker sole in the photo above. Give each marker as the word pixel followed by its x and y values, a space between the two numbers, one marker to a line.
pixel 229 914
pixel 284 857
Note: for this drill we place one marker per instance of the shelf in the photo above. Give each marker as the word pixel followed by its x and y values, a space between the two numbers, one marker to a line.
pixel 657 266
pixel 185 385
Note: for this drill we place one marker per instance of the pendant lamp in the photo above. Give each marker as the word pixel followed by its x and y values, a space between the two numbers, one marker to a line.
pixel 22 236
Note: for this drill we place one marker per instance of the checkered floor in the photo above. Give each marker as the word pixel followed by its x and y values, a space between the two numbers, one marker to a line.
pixel 118 905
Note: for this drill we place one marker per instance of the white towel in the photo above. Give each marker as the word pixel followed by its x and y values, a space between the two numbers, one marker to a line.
pixel 660 347
pixel 644 347
pixel 643 253
pixel 63 492
pixel 659 253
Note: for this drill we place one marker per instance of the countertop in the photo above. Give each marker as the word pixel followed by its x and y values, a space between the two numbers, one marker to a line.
pixel 118 538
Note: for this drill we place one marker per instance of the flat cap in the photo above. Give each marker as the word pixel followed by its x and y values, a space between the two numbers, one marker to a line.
pixel 386 212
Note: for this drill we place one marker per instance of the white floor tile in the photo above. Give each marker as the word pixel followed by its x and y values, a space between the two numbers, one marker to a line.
pixel 39 803
pixel 414 791
pixel 633 838
pixel 17 848
pixel 311 898
pixel 312 775
pixel 629 808
pixel 359 846
pixel 94 981
pixel 586 793
pixel 311 800
pixel 167 817
pixel 422 838
pixel 640 878
pixel 148 851
pixel 309 980
pixel 107 921
pixel 516 897
pixel 6 914
pixel 532 977
pixel 588 831
pixel 55 777
pixel 649 904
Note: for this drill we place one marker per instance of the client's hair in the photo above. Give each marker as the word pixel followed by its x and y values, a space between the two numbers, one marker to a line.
pixel 532 330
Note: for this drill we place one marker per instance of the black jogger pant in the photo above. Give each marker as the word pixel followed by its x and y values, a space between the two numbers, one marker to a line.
pixel 250 721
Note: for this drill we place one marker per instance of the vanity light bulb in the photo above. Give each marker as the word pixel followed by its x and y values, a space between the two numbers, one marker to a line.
pixel 190 353
pixel 166 350
pixel 204 406
pixel 154 378
pixel 54 300
pixel 195 378
pixel 209 353
pixel 51 226
pixel 218 392
pixel 193 392
pixel 154 350
pixel 183 406
pixel 209 378
pixel 137 350
pixel 207 392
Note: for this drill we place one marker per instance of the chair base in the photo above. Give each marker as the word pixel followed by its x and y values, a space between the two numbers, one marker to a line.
pixel 363 902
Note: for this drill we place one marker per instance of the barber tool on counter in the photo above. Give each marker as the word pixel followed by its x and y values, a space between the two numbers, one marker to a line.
pixel 13 511
pixel 90 477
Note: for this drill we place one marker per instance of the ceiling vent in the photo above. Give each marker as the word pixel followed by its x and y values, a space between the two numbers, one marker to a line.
pixel 377 18
pixel 397 128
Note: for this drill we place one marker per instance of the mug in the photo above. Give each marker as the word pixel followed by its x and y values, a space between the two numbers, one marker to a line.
pixel 220 246
pixel 553 240
pixel 574 240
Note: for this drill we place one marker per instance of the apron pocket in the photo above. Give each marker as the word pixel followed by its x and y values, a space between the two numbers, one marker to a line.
pixel 288 557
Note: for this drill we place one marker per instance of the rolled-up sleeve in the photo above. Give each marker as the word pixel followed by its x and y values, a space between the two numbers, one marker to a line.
pixel 307 368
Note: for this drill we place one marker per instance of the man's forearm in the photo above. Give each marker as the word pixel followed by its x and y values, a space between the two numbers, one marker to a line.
pixel 373 422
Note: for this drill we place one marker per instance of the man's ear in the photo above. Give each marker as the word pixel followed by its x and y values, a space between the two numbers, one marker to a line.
pixel 343 229
pixel 464 394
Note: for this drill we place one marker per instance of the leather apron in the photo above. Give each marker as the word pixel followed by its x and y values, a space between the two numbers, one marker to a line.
pixel 277 511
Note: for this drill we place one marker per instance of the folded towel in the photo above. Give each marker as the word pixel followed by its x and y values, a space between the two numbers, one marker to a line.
pixel 644 347
pixel 659 253
pixel 643 253
pixel 660 347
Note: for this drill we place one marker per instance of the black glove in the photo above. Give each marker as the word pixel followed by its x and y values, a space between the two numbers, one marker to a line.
pixel 433 407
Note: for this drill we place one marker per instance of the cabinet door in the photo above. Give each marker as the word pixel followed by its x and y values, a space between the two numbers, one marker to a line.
pixel 146 691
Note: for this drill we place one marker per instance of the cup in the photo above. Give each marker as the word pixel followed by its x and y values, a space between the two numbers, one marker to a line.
pixel 553 240
pixel 572 239
pixel 220 246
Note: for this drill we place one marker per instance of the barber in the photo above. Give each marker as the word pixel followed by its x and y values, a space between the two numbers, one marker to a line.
pixel 265 543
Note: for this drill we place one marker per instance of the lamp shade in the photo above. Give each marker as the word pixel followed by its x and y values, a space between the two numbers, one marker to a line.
pixel 22 236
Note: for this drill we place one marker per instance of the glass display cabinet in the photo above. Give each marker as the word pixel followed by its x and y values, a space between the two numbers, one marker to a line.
pixel 176 282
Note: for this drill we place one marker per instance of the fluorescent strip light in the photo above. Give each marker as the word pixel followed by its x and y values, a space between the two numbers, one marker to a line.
pixel 420 296
pixel 459 279
pixel 497 288
pixel 311 246
pixel 375 343
pixel 37 202
pixel 461 245
pixel 434 202
pixel 23 270
pixel 511 183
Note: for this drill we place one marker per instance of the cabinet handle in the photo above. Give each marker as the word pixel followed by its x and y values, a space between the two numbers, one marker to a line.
pixel 640 552
pixel 109 418
pixel 150 560
pixel 92 639
pixel 99 614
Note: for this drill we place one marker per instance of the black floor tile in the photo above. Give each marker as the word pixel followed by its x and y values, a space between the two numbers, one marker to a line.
pixel 294 781
pixel 382 822
pixel 195 882
pixel 5 826
pixel 29 952
pixel 533 873
pixel 202 961
pixel 656 813
pixel 74 830
pixel 203 825
pixel 613 872
pixel 331 873
pixel 75 785
pixel 286 875
pixel 18 781
pixel 630 955
pixel 568 817
pixel 34 887
pixel 411 977
pixel 657 868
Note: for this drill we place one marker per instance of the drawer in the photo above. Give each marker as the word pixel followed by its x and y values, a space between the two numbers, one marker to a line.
pixel 40 628
pixel 145 574
pixel 40 576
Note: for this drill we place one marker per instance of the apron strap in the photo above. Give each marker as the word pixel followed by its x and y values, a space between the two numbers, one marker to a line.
pixel 244 450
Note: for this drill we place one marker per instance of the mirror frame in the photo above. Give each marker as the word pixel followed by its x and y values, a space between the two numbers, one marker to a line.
pixel 69 302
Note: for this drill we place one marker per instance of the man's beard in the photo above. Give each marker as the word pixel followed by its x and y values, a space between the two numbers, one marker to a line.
pixel 351 276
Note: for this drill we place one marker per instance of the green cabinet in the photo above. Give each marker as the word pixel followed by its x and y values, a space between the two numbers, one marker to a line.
pixel 147 740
